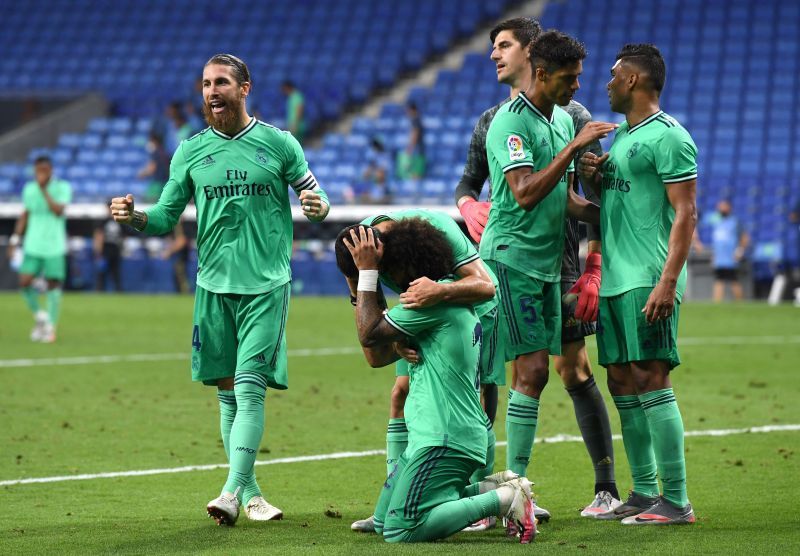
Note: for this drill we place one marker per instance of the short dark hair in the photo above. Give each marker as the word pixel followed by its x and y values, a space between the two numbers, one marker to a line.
pixel 553 50
pixel 648 58
pixel 344 260
pixel 413 248
pixel 240 71
pixel 524 29
pixel 43 159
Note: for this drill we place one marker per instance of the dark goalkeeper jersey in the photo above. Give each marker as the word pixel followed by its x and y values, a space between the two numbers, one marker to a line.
pixel 476 171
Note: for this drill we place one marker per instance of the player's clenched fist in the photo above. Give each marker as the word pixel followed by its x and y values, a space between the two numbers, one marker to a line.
pixel 314 207
pixel 589 166
pixel 122 209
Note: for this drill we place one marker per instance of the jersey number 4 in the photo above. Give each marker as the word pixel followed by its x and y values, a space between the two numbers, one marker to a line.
pixel 196 338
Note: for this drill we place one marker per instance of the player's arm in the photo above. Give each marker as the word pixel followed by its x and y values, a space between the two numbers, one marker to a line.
pixel 19 230
pixel 580 208
pixel 313 198
pixel 681 196
pixel 529 188
pixel 469 187
pixel 473 286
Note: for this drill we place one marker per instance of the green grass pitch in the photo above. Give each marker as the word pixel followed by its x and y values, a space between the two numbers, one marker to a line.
pixel 741 368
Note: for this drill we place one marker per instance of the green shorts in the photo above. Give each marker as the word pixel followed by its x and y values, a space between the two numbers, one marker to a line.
pixel 623 334
pixel 52 268
pixel 234 332
pixel 419 482
pixel 530 312
pixel 492 360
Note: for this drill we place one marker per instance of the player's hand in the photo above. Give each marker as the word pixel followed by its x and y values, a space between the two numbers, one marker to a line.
pixel 407 352
pixel 314 208
pixel 422 292
pixel 593 131
pixel 475 214
pixel 661 302
pixel 365 248
pixel 122 209
pixel 586 290
pixel 590 166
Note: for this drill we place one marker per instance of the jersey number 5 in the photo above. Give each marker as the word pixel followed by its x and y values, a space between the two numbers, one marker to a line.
pixel 527 307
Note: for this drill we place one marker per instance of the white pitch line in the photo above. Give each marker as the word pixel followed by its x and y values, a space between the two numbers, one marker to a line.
pixel 99 359
pixel 320 352
pixel 559 438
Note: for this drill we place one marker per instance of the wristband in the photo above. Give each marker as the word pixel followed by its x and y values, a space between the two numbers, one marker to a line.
pixel 13 241
pixel 367 281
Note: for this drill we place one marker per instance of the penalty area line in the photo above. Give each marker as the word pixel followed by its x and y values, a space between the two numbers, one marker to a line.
pixel 560 438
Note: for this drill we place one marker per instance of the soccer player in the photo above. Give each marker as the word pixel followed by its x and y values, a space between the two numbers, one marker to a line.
pixel 530 148
pixel 512 40
pixel 476 285
pixel 44 246
pixel 238 170
pixel 428 494
pixel 648 212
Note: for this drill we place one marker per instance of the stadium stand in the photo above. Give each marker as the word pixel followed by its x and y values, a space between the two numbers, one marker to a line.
pixel 732 81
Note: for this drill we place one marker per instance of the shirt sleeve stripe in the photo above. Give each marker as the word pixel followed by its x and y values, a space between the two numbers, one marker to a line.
pixel 467 260
pixel 681 178
pixel 517 165
pixel 397 326
pixel 308 181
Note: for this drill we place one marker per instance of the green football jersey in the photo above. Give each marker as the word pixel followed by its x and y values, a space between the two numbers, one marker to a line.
pixel 244 221
pixel 635 213
pixel 443 407
pixel 531 242
pixel 463 250
pixel 45 233
pixel 293 102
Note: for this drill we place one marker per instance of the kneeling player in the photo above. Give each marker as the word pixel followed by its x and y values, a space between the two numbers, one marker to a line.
pixel 428 494
pixel 473 284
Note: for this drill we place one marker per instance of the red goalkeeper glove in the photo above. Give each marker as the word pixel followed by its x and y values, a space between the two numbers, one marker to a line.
pixel 587 290
pixel 475 214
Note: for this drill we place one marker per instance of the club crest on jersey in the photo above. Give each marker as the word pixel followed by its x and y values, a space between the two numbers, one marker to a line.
pixel 633 150
pixel 515 151
pixel 261 155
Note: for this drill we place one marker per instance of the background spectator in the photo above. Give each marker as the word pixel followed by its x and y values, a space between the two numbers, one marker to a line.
pixel 728 244
pixel 295 110
pixel 411 160
pixel 107 247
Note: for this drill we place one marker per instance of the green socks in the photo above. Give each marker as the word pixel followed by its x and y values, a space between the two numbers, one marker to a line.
pixel 227 414
pixel 247 429
pixel 666 430
pixel 31 297
pixel 396 442
pixel 491 440
pixel 521 419
pixel 638 444
pixel 54 305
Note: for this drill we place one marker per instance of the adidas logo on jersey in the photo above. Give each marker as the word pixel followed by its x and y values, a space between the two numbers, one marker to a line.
pixel 260 359
pixel 208 161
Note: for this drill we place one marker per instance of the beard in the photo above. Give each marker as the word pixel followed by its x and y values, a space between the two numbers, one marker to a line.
pixel 227 122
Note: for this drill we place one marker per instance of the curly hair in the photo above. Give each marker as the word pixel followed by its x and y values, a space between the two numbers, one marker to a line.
pixel 553 50
pixel 413 248
pixel 646 57
pixel 524 29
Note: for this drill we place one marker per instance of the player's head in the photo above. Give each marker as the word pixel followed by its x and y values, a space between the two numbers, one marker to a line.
pixel 413 248
pixel 344 260
pixel 557 61
pixel 639 69
pixel 42 169
pixel 724 207
pixel 287 86
pixel 511 42
pixel 226 84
